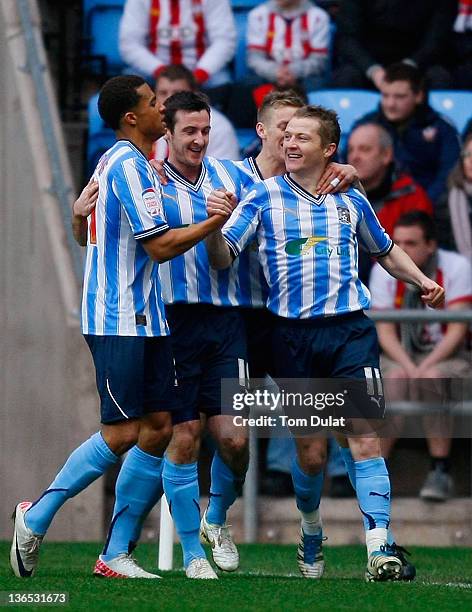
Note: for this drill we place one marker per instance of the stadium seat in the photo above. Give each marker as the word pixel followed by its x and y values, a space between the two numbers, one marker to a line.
pixel 239 62
pixel 100 138
pixel 244 4
pixel 101 25
pixel 350 105
pixel 455 105
pixel 247 139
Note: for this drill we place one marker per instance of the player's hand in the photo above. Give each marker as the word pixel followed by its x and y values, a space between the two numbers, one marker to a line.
pixel 158 165
pixel 344 173
pixel 87 200
pixel 221 202
pixel 432 293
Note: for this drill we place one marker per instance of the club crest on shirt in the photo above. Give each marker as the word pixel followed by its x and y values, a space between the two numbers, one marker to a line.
pixel 343 215
pixel 152 202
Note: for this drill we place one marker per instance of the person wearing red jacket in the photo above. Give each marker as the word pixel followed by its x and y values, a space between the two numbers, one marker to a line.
pixel 390 191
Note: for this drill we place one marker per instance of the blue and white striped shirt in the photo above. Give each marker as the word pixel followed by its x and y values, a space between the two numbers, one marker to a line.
pixel 189 278
pixel 308 246
pixel 253 285
pixel 121 293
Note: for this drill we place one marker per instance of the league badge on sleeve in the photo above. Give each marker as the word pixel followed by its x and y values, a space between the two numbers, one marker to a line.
pixel 152 202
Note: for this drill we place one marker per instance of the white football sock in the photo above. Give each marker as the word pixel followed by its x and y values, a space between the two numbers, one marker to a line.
pixel 375 538
pixel 311 522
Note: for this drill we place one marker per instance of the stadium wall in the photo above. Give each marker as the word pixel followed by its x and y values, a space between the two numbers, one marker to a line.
pixel 48 402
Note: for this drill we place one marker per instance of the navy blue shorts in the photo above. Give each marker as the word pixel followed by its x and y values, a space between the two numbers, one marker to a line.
pixel 343 346
pixel 259 324
pixel 135 376
pixel 209 344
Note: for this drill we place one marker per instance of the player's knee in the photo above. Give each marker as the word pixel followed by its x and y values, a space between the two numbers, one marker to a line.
pixel 185 443
pixel 120 438
pixel 312 460
pixel 155 438
pixel 235 452
pixel 235 447
pixel 366 448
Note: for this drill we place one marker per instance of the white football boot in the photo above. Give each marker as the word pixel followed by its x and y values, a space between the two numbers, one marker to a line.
pixel 200 569
pixel 383 565
pixel 224 551
pixel 122 566
pixel 24 551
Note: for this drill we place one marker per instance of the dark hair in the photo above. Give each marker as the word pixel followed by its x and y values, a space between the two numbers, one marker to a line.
pixel 188 101
pixel 421 219
pixel 117 97
pixel 279 99
pixel 400 71
pixel 177 72
pixel 328 120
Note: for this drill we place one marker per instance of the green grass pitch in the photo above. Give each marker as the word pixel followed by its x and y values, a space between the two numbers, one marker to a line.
pixel 268 580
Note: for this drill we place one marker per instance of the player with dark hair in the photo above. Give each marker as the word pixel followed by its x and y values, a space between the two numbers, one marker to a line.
pixel 223 143
pixel 124 324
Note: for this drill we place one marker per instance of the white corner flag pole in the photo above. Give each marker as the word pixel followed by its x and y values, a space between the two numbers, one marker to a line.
pixel 166 537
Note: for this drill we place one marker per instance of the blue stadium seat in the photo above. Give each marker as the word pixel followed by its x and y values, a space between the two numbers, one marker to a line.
pixel 455 105
pixel 100 138
pixel 101 25
pixel 350 104
pixel 247 138
pixel 239 62
pixel 245 4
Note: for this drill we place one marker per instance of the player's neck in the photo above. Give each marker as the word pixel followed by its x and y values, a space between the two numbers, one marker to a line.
pixel 269 166
pixel 140 141
pixel 308 179
pixel 191 173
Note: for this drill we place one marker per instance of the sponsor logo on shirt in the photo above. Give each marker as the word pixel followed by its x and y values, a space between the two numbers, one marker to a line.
pixel 317 244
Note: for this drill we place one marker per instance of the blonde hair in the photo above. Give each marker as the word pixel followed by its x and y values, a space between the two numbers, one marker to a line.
pixel 279 99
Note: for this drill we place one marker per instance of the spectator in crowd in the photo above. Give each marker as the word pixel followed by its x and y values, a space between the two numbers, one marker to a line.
pixel 454 215
pixel 460 46
pixel 424 351
pixel 200 34
pixel 223 142
pixel 287 48
pixel 330 6
pixel 374 33
pixel 287 43
pixel 467 129
pixel 390 191
pixel 425 144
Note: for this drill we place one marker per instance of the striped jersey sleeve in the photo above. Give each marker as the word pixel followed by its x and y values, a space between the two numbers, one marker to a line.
pixel 140 198
pixel 242 226
pixel 371 235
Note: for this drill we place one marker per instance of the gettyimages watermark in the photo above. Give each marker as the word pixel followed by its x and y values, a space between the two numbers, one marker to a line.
pixel 369 406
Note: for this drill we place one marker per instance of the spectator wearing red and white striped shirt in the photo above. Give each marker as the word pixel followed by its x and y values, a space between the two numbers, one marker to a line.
pixel 200 34
pixel 460 48
pixel 287 42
